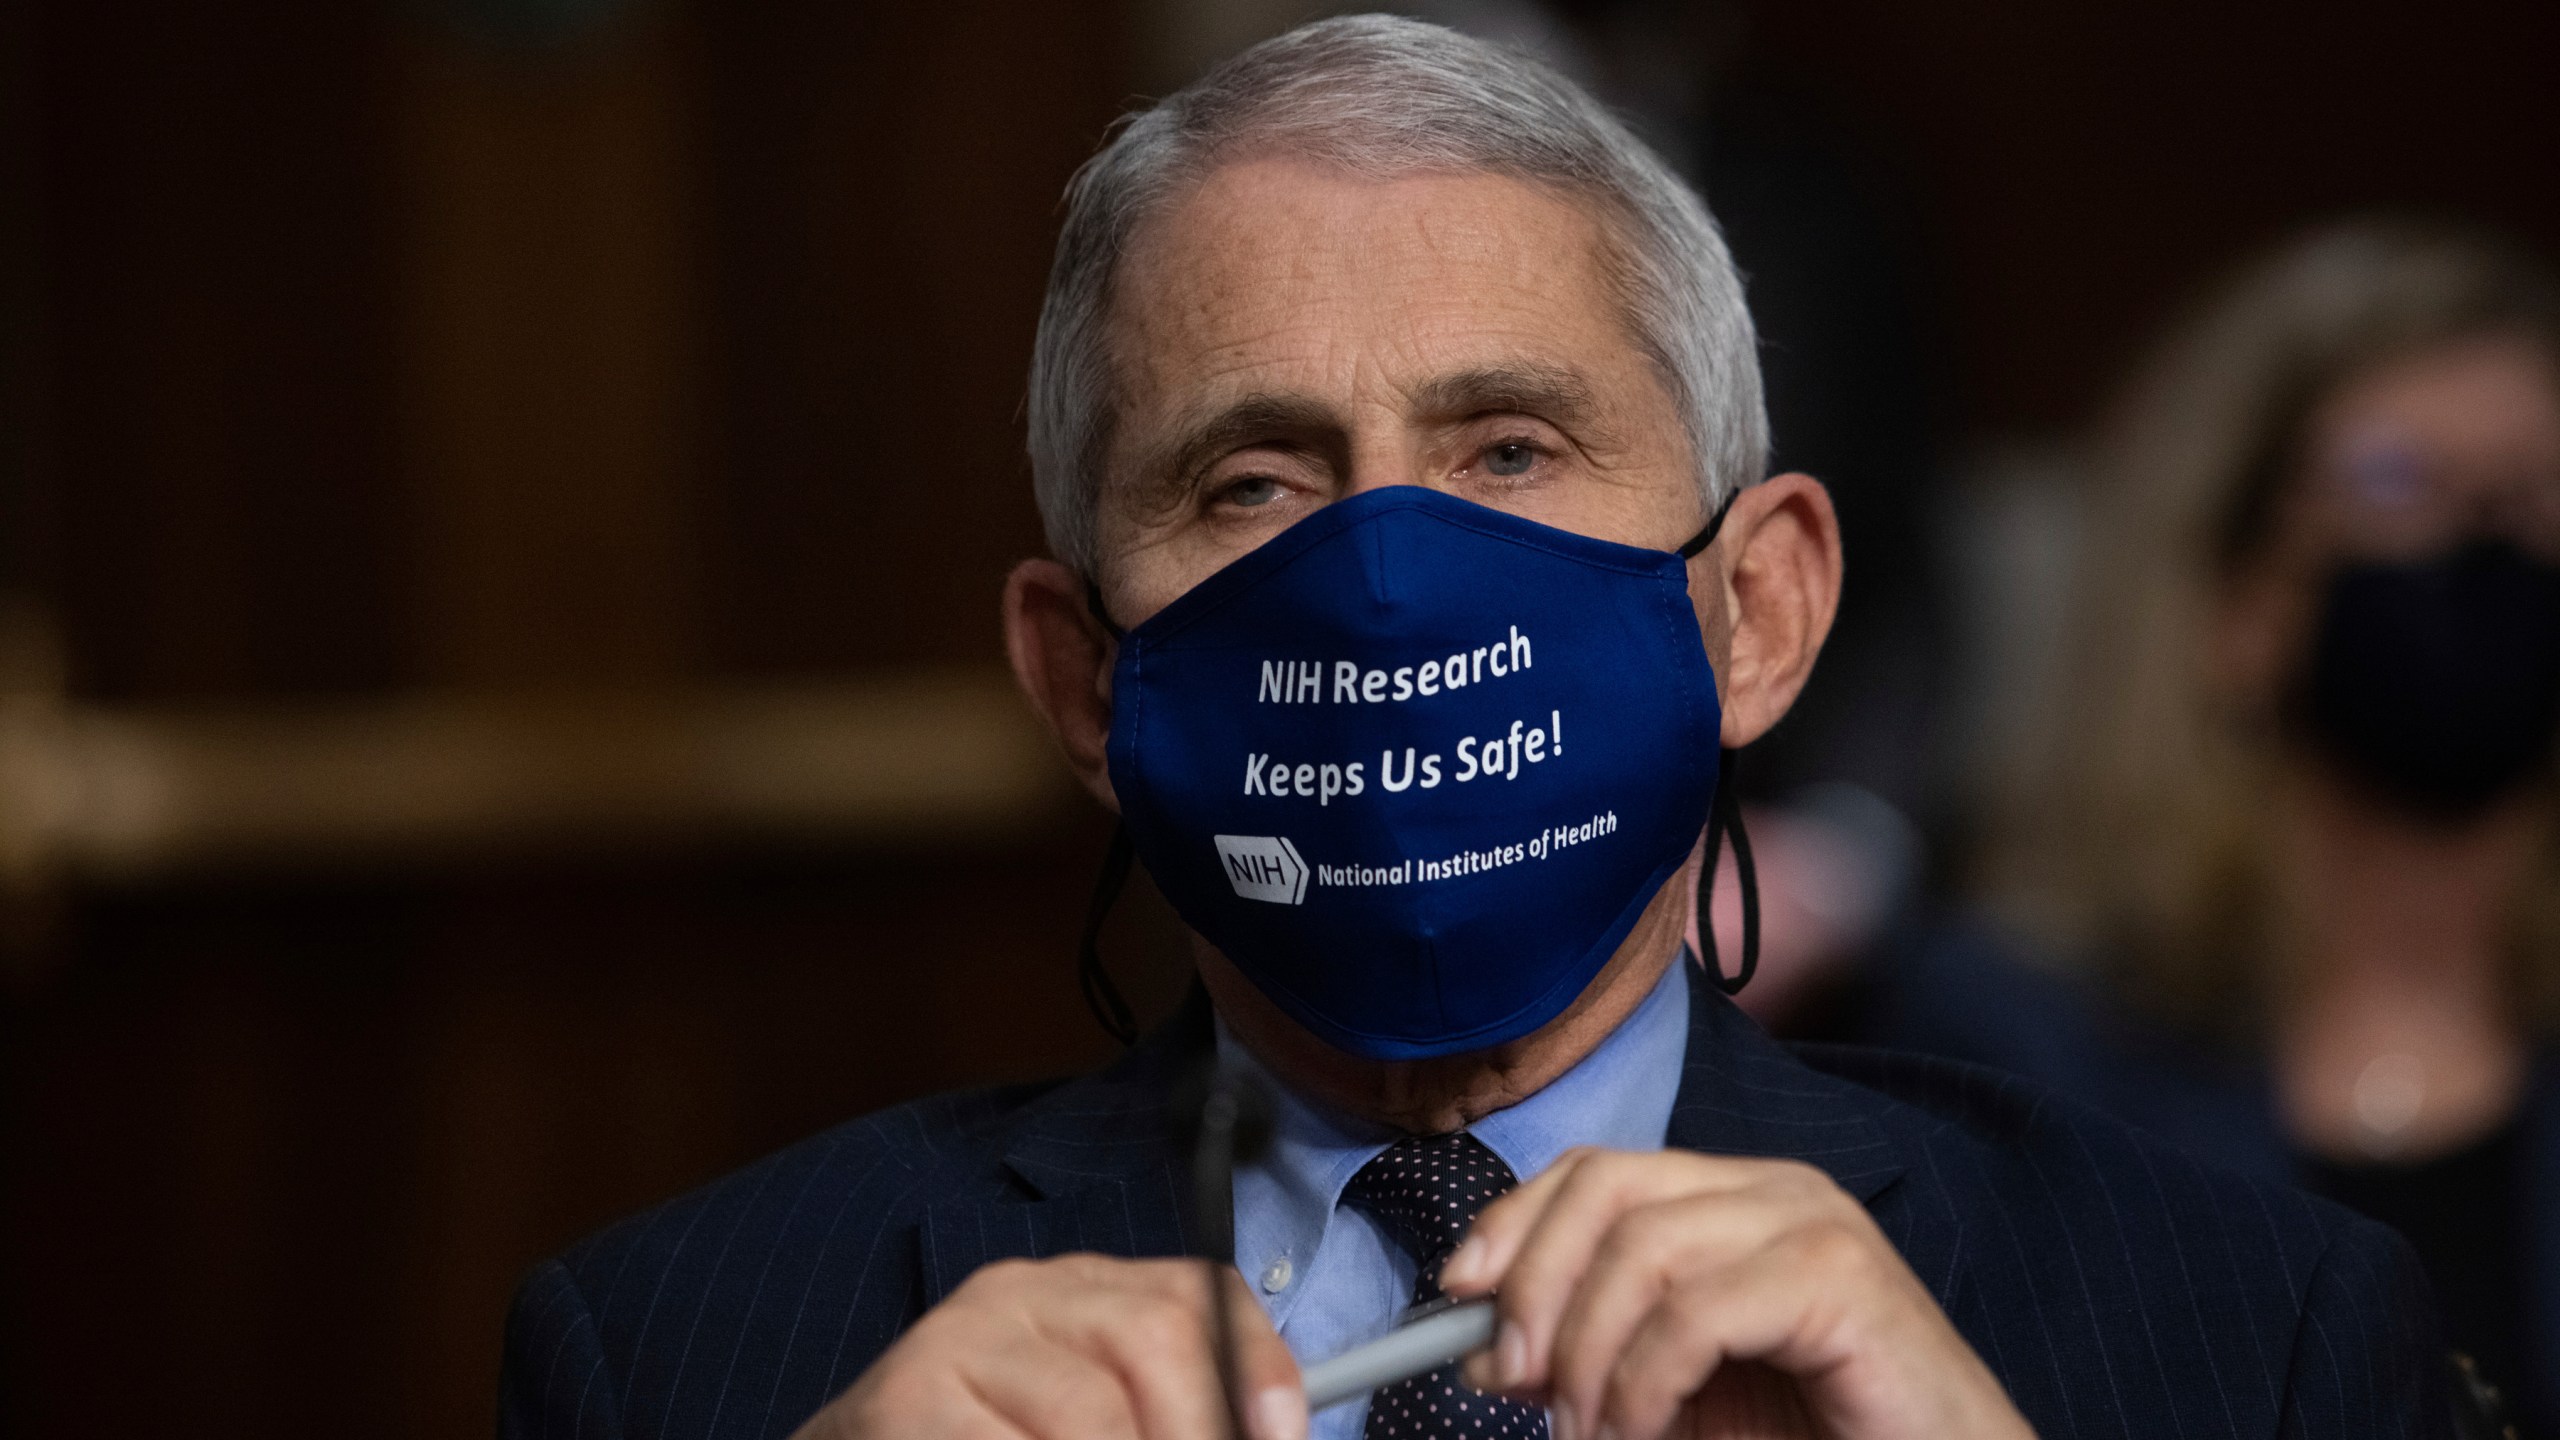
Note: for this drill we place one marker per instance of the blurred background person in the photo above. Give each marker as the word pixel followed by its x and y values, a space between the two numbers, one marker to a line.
pixel 2299 808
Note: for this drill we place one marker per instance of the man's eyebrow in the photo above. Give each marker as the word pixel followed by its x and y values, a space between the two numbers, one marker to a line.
pixel 1550 392
pixel 1553 393
pixel 1255 418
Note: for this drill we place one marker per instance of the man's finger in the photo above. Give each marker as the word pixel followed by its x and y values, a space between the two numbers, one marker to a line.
pixel 1556 1228
pixel 1146 1324
pixel 1494 1237
pixel 1048 1391
pixel 1155 1334
pixel 1272 1395
pixel 1547 1262
pixel 1766 1308
pixel 1647 1252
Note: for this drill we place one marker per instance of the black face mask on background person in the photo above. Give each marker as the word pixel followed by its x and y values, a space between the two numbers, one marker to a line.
pixel 2436 682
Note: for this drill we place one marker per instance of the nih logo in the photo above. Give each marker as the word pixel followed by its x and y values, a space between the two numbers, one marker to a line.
pixel 1264 867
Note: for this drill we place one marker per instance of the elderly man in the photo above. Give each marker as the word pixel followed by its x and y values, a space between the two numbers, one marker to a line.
pixel 1396 423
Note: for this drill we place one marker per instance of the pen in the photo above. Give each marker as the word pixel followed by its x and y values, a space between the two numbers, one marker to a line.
pixel 1431 1338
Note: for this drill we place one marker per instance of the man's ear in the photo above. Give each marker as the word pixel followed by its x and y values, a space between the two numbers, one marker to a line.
pixel 1779 560
pixel 1062 659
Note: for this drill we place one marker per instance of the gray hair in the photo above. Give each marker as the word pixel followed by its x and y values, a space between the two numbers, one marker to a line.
pixel 1379 95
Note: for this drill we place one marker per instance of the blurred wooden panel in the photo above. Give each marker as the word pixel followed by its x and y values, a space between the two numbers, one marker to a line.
pixel 27 542
pixel 212 199
pixel 887 181
pixel 92 796
pixel 2087 167
pixel 550 277
pixel 380 363
pixel 279 1155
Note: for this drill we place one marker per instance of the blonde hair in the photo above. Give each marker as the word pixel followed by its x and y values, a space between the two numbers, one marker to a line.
pixel 2138 837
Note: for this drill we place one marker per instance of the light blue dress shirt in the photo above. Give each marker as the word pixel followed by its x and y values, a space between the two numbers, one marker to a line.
pixel 1329 1275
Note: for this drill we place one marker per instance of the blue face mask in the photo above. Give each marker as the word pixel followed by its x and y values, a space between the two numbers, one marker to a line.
pixel 1416 766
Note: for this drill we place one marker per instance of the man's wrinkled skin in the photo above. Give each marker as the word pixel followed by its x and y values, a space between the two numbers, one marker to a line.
pixel 1288 335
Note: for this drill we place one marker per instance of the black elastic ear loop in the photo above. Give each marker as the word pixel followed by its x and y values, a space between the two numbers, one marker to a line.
pixel 1700 541
pixel 1093 602
pixel 1101 996
pixel 1725 818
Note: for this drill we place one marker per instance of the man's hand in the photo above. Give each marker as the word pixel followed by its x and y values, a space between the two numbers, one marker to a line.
pixel 1699 1295
pixel 1076 1348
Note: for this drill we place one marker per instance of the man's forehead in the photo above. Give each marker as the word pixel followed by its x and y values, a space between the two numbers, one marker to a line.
pixel 1279 272
pixel 1259 209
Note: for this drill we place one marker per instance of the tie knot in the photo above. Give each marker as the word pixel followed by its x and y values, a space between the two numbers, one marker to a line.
pixel 1426 1190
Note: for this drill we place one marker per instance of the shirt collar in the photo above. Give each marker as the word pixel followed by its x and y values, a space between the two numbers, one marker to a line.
pixel 1619 1096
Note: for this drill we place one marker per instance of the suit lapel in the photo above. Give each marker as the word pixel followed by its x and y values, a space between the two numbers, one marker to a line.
pixel 1742 1093
pixel 1100 1160
pixel 1133 1219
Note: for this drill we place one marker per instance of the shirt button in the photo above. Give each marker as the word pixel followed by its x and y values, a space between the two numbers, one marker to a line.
pixel 1276 1276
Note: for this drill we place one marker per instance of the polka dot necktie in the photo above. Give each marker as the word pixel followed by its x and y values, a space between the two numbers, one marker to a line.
pixel 1425 1190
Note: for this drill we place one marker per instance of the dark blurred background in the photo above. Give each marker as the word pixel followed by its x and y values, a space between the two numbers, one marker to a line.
pixel 501 511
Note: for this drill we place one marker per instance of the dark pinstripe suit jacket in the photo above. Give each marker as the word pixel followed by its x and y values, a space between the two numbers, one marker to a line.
pixel 2114 1287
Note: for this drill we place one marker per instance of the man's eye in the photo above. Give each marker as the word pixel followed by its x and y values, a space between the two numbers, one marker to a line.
pixel 1251 491
pixel 1511 457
